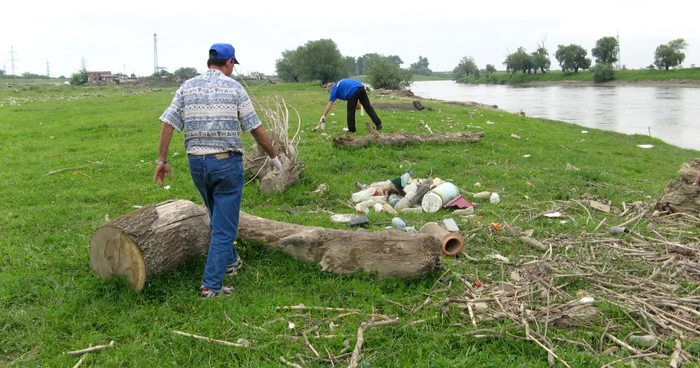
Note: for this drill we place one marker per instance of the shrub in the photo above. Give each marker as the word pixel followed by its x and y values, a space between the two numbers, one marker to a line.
pixel 385 74
pixel 603 72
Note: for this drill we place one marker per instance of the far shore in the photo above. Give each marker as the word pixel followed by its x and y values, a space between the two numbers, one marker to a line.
pixel 641 83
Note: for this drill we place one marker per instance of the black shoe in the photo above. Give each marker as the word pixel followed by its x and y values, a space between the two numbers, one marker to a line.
pixel 380 126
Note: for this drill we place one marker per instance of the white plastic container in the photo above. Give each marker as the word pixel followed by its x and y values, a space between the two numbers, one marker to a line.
pixel 438 196
pixel 495 198
pixel 363 194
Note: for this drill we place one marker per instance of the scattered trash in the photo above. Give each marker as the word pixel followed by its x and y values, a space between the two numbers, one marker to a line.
pixel 571 167
pixel 515 136
pixel 639 145
pixel 343 218
pixel 489 122
pixel 378 207
pixel 464 212
pixel 359 221
pixel 292 211
pixel 526 156
pixel 584 132
pixel 398 222
pixel 586 300
pixel 167 187
pixel 450 225
pixel 412 210
pixel 460 202
pixel 495 198
pixel 321 188
pixel 529 185
pixel 553 214
pixel 600 206
pixel 477 184
pixel 410 229
pixel 495 226
pixel 291 325
pixel 643 339
pixel 482 195
pixel 617 230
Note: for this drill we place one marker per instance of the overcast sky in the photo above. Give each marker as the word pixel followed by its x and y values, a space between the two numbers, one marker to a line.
pixel 119 37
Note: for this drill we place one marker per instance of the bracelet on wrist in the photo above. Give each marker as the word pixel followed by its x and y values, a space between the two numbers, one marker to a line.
pixel 159 162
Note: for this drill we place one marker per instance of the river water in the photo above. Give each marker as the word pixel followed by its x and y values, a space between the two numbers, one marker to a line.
pixel 671 114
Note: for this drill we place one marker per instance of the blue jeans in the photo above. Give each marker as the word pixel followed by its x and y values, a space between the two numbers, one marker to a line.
pixel 220 182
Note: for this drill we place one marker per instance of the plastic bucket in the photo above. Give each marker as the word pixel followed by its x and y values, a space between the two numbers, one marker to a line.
pixel 432 202
pixel 438 196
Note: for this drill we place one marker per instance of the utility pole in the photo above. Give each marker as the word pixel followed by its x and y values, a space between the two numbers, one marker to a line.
pixel 12 60
pixel 48 71
pixel 155 53
pixel 619 57
pixel 83 64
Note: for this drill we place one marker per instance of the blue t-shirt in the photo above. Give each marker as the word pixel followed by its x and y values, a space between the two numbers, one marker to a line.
pixel 344 89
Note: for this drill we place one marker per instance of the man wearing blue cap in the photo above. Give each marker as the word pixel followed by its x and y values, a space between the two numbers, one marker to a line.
pixel 213 109
pixel 351 91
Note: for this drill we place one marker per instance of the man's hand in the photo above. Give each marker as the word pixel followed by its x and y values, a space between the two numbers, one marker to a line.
pixel 160 172
pixel 276 164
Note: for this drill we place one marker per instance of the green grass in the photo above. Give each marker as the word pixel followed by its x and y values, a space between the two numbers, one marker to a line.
pixel 50 301
pixel 586 76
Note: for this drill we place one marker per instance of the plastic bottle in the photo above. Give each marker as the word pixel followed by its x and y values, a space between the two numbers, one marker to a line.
pixel 364 206
pixel 378 207
pixel 406 177
pixel 422 189
pixel 394 199
pixel 363 194
pixel 398 222
pixel 495 198
pixel 482 195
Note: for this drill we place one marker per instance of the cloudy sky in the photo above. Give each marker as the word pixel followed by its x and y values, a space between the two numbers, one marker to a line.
pixel 119 36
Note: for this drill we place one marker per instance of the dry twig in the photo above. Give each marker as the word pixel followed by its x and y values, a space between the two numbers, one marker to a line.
pixel 355 359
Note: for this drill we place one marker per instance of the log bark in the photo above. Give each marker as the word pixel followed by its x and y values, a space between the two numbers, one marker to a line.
pixel 681 195
pixel 392 253
pixel 149 240
pixel 395 139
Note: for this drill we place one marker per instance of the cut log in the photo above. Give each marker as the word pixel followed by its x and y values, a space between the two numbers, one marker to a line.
pixel 392 253
pixel 149 240
pixel 681 195
pixel 394 139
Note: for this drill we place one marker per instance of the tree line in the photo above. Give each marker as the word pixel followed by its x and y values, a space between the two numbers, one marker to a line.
pixel 321 60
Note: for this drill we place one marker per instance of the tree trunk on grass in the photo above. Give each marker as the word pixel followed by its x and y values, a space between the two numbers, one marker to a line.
pixel 388 253
pixel 149 240
pixel 163 236
pixel 394 139
pixel 682 195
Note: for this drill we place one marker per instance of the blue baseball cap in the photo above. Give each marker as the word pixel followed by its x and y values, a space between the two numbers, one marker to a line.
pixel 223 51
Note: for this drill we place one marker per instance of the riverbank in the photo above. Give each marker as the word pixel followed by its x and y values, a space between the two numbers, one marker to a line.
pixel 689 77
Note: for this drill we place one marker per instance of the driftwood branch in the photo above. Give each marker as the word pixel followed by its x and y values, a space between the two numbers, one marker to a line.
pixel 286 362
pixel 66 169
pixel 355 359
pixel 91 349
pixel 394 139
pixel 303 307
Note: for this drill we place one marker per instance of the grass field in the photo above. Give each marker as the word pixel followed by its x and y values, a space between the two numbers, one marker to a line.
pixel 105 139
pixel 586 76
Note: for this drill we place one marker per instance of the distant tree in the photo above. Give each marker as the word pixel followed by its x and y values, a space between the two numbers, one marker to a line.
pixel 603 72
pixel 320 60
pixel 540 59
pixel 395 59
pixel 572 57
pixel 28 75
pixel 519 61
pixel 421 66
pixel 490 69
pixel 62 77
pixel 2 71
pixel 466 67
pixel 651 67
pixel 383 73
pixel 605 50
pixel 670 54
pixel 364 61
pixel 79 78
pixel 287 66
pixel 351 65
pixel 185 73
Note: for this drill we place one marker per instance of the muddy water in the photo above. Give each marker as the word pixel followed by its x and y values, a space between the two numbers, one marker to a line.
pixel 671 114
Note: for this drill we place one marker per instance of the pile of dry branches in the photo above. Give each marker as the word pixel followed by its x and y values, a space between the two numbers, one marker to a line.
pixel 652 280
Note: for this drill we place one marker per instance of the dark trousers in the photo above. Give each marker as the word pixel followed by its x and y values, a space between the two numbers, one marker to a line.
pixel 361 95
